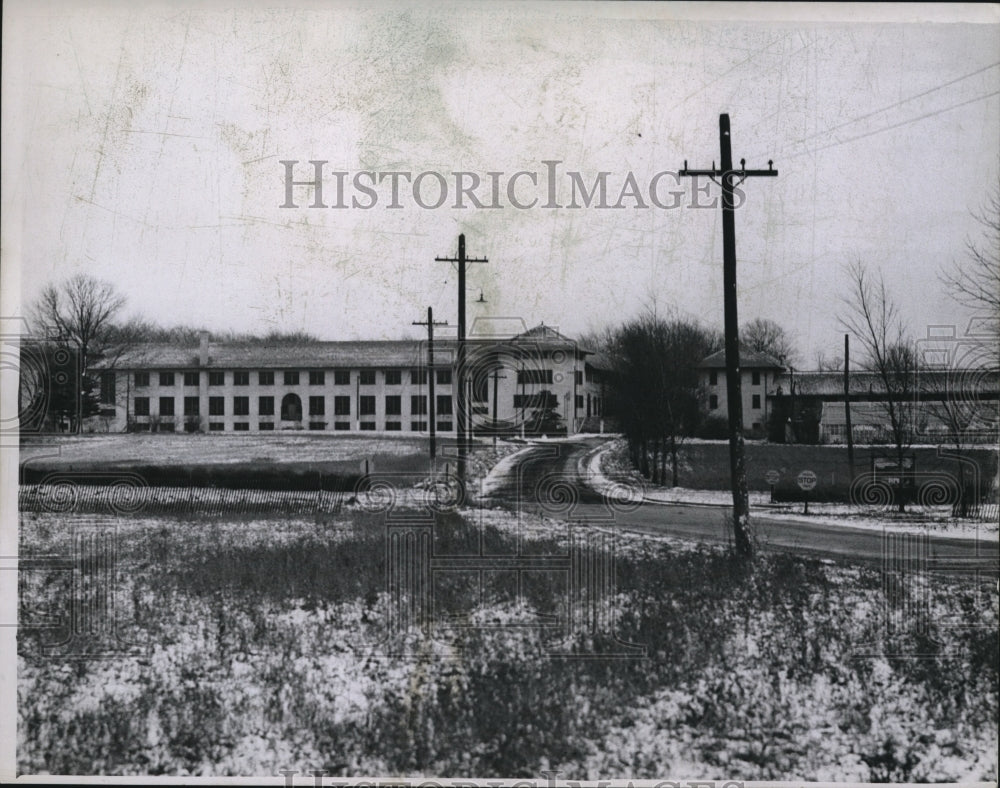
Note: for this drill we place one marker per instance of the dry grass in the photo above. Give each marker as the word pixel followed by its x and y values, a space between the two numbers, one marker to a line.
pixel 262 633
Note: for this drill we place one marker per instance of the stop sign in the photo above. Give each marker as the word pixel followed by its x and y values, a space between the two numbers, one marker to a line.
pixel 806 480
pixel 772 477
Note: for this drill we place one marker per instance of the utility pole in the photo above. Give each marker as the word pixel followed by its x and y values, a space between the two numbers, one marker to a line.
pixel 459 388
pixel 430 374
pixel 734 389
pixel 847 405
pixel 496 378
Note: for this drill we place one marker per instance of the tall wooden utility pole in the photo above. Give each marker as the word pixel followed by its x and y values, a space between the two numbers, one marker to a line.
pixel 497 377
pixel 458 386
pixel 847 406
pixel 430 373
pixel 734 389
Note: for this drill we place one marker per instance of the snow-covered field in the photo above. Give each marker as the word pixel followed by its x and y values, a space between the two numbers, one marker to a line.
pixel 167 449
pixel 269 643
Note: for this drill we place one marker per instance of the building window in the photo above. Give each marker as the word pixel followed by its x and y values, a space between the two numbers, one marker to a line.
pixel 418 405
pixel 190 378
pixel 167 426
pixel 216 378
pixel 216 406
pixel 418 377
pixel 241 377
pixel 578 376
pixel 713 378
pixel 241 426
pixel 367 425
pixel 265 406
pixel 241 406
pixel 317 406
pixel 342 377
pixel 444 377
pixel 579 401
pixel 191 426
pixel 393 377
pixel 755 378
pixel 444 405
pixel 141 379
pixel 755 404
pixel 141 406
pixel 341 406
pixel 444 426
pixel 366 406
pixel 342 425
pixel 393 405
pixel 393 426
pixel 291 407
pixel 107 388
pixel 418 426
pixel 541 376
pixel 166 378
pixel 317 425
pixel 481 387
pixel 266 426
pixel 713 402
pixel 216 426
pixel 192 406
pixel 366 377
pixel 291 377
pixel 317 377
pixel 542 399
pixel 265 377
pixel 166 406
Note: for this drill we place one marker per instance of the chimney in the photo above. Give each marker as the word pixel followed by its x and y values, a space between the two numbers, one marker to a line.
pixel 203 349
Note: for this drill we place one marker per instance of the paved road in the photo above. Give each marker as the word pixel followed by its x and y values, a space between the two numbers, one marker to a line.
pixel 547 479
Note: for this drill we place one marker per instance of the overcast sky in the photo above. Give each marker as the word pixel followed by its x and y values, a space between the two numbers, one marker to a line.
pixel 142 144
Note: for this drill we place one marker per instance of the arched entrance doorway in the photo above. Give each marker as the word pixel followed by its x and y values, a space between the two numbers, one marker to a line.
pixel 291 408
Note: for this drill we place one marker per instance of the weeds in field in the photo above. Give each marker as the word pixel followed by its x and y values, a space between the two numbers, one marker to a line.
pixel 261 657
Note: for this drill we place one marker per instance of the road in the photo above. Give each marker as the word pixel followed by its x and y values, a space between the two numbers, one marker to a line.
pixel 547 479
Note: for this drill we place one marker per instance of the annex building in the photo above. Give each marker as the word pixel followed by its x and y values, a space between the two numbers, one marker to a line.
pixel 786 405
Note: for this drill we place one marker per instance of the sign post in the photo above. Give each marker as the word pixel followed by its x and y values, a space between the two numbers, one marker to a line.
pixel 772 477
pixel 806 481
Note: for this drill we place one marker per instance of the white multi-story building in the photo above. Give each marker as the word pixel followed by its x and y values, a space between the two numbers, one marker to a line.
pixel 350 386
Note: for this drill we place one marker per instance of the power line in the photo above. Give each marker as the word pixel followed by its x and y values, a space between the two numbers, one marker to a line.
pixel 896 125
pixel 899 103
pixel 893 106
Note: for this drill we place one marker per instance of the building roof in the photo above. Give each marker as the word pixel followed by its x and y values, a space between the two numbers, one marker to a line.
pixel 320 355
pixel 546 336
pixel 316 355
pixel 966 383
pixel 749 359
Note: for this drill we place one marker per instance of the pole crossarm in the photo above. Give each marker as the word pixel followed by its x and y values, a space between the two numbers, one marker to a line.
pixel 743 173
pixel 457 260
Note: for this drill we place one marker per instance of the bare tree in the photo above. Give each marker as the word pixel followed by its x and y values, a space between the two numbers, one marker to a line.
pixel 80 313
pixel 766 336
pixel 964 419
pixel 874 319
pixel 975 281
pixel 825 363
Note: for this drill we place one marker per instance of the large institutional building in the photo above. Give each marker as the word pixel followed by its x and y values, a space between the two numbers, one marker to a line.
pixel 353 386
